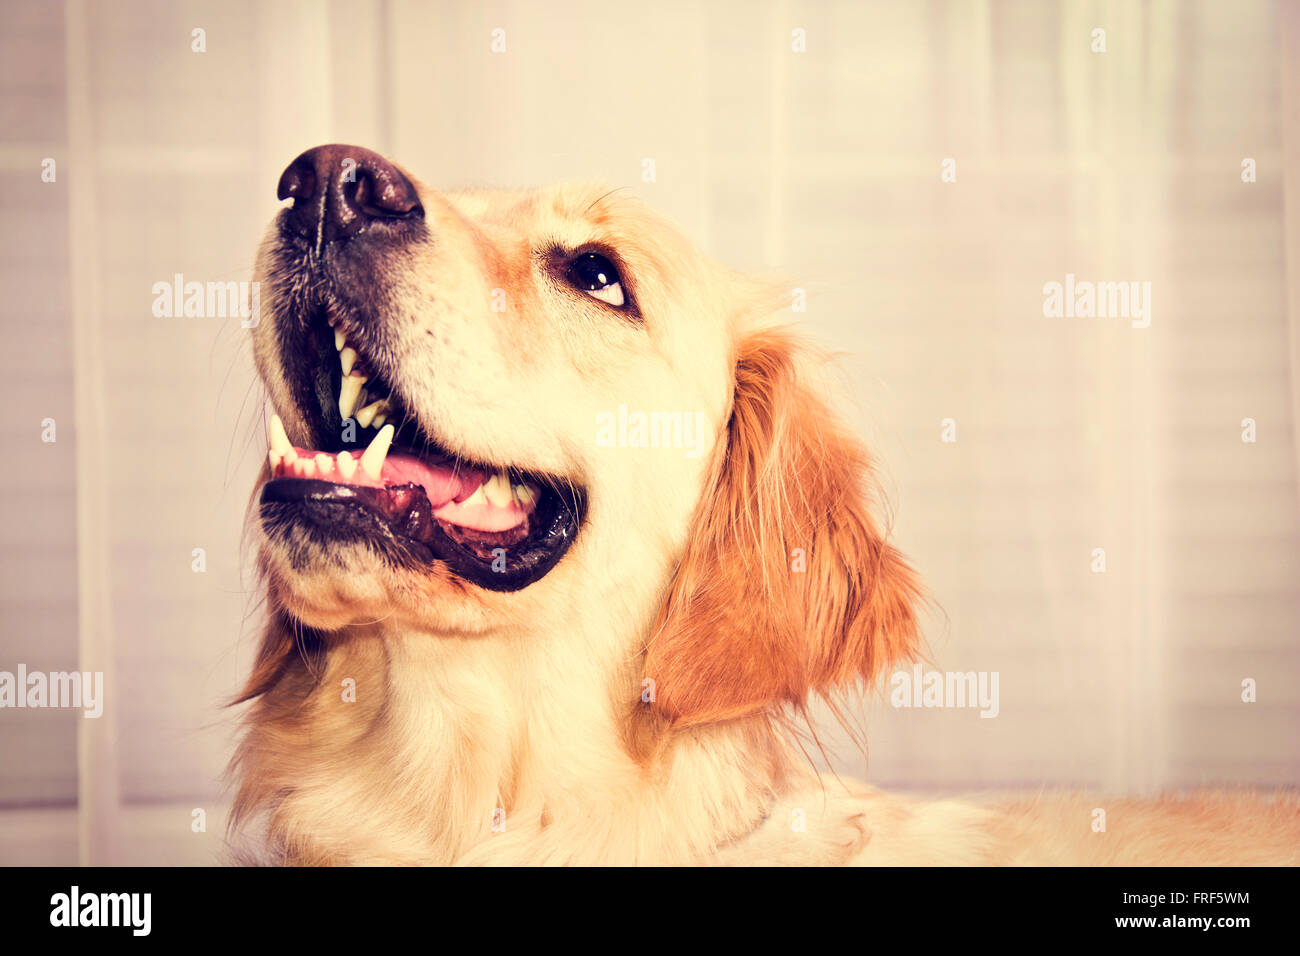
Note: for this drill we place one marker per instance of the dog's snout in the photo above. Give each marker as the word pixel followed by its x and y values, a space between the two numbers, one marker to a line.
pixel 338 191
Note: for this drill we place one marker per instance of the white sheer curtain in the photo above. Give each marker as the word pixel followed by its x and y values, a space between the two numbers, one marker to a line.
pixel 1071 434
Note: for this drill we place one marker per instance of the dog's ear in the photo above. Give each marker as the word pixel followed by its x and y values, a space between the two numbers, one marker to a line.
pixel 787 585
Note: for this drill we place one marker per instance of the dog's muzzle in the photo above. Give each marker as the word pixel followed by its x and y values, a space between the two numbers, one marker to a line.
pixel 367 468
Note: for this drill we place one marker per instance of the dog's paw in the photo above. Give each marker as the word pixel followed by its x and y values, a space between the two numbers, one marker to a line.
pixel 812 827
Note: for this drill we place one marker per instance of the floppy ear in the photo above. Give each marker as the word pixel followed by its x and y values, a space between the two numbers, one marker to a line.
pixel 787 585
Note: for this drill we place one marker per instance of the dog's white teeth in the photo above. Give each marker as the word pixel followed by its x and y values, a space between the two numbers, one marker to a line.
pixel 349 392
pixel 278 437
pixel 324 463
pixel 372 414
pixel 497 490
pixel 372 461
pixel 347 464
pixel 524 495
pixel 290 457
pixel 347 358
pixel 379 420
pixel 307 466
pixel 479 497
pixel 340 340
pixel 275 458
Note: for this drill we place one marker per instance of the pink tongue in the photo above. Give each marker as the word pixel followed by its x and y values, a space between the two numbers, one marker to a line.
pixel 440 482
pixel 446 488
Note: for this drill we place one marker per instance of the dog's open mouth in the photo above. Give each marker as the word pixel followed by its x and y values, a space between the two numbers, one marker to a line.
pixel 384 482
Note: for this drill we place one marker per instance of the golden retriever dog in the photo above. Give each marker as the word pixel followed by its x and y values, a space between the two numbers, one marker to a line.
pixel 560 535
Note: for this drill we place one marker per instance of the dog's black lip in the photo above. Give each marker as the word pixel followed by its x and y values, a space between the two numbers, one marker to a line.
pixel 398 522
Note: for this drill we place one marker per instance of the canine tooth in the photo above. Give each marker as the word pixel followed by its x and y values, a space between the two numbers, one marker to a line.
pixel 324 463
pixel 340 340
pixel 347 464
pixel 479 497
pixel 349 392
pixel 524 495
pixel 279 438
pixel 497 490
pixel 371 414
pixel 372 461
pixel 347 358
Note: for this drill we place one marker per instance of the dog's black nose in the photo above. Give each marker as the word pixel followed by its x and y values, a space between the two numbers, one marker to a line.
pixel 339 190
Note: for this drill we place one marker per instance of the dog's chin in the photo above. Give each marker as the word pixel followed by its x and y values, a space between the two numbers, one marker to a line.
pixel 345 586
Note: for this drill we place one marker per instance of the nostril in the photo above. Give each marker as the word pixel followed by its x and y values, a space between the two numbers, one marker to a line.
pixel 297 182
pixel 378 196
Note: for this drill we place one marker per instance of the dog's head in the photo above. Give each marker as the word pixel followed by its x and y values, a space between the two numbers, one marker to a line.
pixel 501 410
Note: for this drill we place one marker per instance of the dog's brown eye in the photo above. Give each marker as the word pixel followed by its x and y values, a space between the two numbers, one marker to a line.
pixel 594 274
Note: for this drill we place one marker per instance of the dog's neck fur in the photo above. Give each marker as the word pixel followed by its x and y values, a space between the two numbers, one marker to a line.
pixel 499 749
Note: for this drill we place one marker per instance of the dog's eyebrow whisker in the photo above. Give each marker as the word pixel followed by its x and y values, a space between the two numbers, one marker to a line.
pixel 596 202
